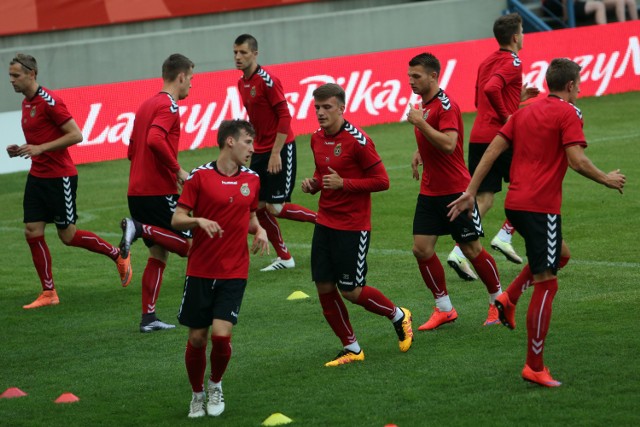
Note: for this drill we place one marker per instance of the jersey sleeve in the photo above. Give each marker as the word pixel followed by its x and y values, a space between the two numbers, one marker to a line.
pixel 572 132
pixel 448 120
pixel 59 113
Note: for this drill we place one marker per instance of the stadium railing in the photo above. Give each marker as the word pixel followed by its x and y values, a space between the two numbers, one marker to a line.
pixel 536 17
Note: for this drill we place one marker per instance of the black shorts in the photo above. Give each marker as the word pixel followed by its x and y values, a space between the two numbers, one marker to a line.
pixel 499 172
pixel 542 235
pixel 277 188
pixel 51 200
pixel 156 210
pixel 579 8
pixel 431 219
pixel 339 257
pixel 206 299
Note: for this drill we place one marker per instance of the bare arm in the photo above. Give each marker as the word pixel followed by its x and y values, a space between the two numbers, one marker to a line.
pixel 181 220
pixel 579 162
pixel 260 241
pixel 443 141
pixel 71 136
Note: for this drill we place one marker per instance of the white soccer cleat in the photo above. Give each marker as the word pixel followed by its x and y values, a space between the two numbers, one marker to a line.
pixel 506 249
pixel 461 266
pixel 215 404
pixel 280 264
pixel 156 325
pixel 196 408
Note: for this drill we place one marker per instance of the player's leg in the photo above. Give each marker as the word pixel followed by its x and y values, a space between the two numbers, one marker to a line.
pixel 151 285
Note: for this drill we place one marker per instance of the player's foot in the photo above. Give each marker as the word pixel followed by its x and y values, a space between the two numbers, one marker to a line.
pixel 196 408
pixel 344 357
pixel 131 230
pixel 404 331
pixel 506 310
pixel 461 266
pixel 492 316
pixel 439 318
pixel 280 264
pixel 215 404
pixel 506 249
pixel 542 378
pixel 156 325
pixel 45 298
pixel 124 268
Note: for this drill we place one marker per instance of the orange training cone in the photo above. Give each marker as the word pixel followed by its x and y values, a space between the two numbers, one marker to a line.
pixel 67 398
pixel 12 392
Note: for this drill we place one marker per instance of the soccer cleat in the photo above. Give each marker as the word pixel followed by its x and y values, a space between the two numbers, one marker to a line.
pixel 346 356
pixel 124 268
pixel 492 316
pixel 130 233
pixel 461 266
pixel 280 264
pixel 196 408
pixel 506 249
pixel 44 299
pixel 439 318
pixel 215 404
pixel 506 310
pixel 156 325
pixel 404 331
pixel 542 378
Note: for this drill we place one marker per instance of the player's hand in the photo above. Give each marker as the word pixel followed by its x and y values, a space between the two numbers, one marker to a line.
pixel 181 177
pixel 275 164
pixel 28 150
pixel 260 242
pixel 415 163
pixel 310 185
pixel 616 180
pixel 332 181
pixel 528 92
pixel 466 202
pixel 12 150
pixel 212 228
pixel 415 116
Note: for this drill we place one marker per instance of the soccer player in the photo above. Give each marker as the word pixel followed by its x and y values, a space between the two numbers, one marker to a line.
pixel 499 91
pixel 546 137
pixel 50 193
pixel 154 178
pixel 222 196
pixel 439 132
pixel 275 149
pixel 348 170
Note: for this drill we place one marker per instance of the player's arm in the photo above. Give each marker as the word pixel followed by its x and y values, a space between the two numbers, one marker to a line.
pixel 260 241
pixel 466 200
pixel 181 220
pixel 375 179
pixel 159 146
pixel 444 141
pixel 284 123
pixel 493 91
pixel 416 162
pixel 579 162
pixel 71 136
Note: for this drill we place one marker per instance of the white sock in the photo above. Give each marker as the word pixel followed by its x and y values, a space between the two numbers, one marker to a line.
pixel 354 347
pixel 504 235
pixel 397 315
pixel 444 303
pixel 214 384
pixel 493 296
pixel 458 251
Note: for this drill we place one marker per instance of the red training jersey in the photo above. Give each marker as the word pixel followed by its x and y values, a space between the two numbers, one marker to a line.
pixel 153 155
pixel 498 89
pixel 227 200
pixel 352 154
pixel 263 97
pixel 539 135
pixel 42 117
pixel 442 173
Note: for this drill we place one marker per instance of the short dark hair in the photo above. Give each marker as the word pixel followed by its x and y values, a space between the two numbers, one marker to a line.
pixel 560 72
pixel 427 60
pixel 232 128
pixel 505 27
pixel 27 62
pixel 248 39
pixel 174 65
pixel 329 90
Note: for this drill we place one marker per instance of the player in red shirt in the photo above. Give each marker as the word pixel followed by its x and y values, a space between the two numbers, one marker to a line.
pixel 275 149
pixel 154 178
pixel 439 132
pixel 546 137
pixel 222 197
pixel 499 91
pixel 348 170
pixel 50 193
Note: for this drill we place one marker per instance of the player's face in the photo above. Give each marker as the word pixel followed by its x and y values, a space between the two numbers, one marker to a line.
pixel 20 79
pixel 185 83
pixel 329 113
pixel 242 148
pixel 520 38
pixel 574 90
pixel 244 57
pixel 421 80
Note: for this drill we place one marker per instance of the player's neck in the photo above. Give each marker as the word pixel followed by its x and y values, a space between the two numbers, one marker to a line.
pixel 510 47
pixel 335 128
pixel 30 92
pixel 430 95
pixel 226 165
pixel 248 72
pixel 174 92
pixel 562 95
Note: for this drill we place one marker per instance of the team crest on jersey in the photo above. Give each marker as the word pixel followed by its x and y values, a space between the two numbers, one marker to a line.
pixel 244 190
pixel 426 114
pixel 32 113
pixel 253 92
pixel 337 150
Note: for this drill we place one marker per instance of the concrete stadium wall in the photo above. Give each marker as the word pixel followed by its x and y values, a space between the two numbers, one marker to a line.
pixel 294 33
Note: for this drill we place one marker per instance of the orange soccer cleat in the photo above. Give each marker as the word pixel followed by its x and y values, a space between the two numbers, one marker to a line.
pixel 124 269
pixel 492 316
pixel 506 310
pixel 439 318
pixel 44 299
pixel 542 378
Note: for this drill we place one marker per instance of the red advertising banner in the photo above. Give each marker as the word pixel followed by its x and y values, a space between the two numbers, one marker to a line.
pixel 376 85
pixel 28 16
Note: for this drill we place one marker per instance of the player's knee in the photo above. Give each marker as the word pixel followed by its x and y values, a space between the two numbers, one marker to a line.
pixel 350 295
pixel 66 235
pixel 471 249
pixel 421 252
pixel 275 208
